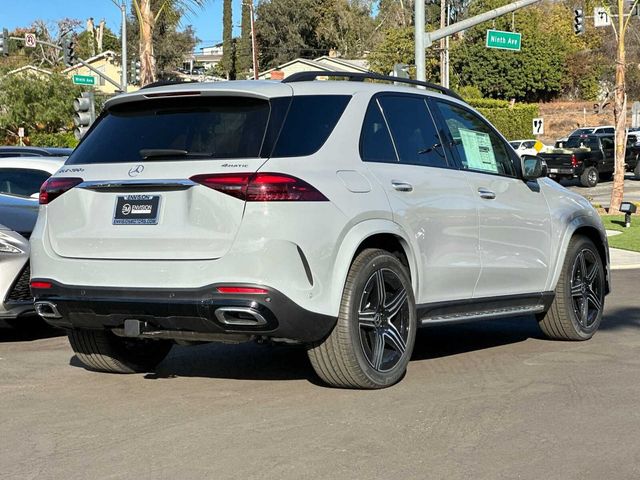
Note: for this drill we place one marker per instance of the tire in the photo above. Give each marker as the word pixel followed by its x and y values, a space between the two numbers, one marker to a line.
pixel 636 171
pixel 589 177
pixel 372 341
pixel 103 351
pixel 565 319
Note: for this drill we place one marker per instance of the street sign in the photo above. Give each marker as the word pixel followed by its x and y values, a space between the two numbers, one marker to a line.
pixel 601 17
pixel 21 132
pixel 30 40
pixel 538 146
pixel 503 40
pixel 538 126
pixel 84 80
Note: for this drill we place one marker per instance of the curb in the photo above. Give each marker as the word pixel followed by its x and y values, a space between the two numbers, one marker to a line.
pixel 630 266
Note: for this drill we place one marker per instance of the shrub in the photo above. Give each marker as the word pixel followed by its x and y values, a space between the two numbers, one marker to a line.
pixel 65 139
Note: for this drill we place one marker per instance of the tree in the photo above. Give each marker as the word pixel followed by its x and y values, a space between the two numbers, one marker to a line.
pixel 228 61
pixel 345 26
pixel 169 44
pixel 620 109
pixel 538 72
pixel 147 13
pixel 86 44
pixel 244 60
pixel 38 104
pixel 398 46
pixel 54 33
pixel 286 29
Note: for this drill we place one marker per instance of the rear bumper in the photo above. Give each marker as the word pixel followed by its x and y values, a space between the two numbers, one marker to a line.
pixel 562 172
pixel 197 310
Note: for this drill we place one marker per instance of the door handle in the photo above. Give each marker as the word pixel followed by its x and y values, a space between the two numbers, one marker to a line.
pixel 402 186
pixel 486 193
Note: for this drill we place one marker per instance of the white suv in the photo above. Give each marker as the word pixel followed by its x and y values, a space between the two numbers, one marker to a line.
pixel 341 215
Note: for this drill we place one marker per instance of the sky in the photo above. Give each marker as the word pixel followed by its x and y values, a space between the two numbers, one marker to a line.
pixel 207 22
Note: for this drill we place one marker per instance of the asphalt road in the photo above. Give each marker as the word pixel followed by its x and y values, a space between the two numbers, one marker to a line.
pixel 487 400
pixel 601 193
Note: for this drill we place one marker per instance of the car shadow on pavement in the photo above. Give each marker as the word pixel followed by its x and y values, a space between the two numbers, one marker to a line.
pixel 618 318
pixel 445 340
pixel 27 329
pixel 247 361
pixel 252 361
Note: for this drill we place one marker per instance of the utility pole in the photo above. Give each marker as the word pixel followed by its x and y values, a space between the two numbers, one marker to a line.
pixel 444 44
pixel 421 69
pixel 254 50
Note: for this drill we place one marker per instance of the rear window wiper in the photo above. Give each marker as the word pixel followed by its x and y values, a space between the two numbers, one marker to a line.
pixel 159 153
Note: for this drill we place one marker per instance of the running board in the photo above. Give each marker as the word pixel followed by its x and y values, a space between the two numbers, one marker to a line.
pixel 484 308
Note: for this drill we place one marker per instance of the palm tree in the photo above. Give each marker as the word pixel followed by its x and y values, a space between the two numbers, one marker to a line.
pixel 148 12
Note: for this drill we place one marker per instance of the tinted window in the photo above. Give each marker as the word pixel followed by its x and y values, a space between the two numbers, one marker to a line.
pixel 606 130
pixel 413 131
pixel 529 144
pixel 25 182
pixel 214 127
pixel 515 145
pixel 376 144
pixel 607 143
pixel 477 145
pixel 309 123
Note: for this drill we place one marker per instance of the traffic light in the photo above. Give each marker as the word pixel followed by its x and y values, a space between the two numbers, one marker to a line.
pixel 578 21
pixel 135 72
pixel 69 51
pixel 85 114
pixel 4 42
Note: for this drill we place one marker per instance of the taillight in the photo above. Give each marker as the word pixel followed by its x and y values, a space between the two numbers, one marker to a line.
pixel 54 187
pixel 261 187
pixel 39 284
pixel 574 161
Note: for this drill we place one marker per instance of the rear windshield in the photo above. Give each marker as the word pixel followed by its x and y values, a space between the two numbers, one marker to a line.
pixel 211 128
pixel 577 142
pixel 214 127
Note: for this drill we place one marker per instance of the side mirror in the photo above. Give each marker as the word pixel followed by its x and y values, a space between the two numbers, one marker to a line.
pixel 533 167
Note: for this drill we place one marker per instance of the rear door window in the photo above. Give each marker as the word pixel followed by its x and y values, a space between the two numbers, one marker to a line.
pixel 414 133
pixel 477 145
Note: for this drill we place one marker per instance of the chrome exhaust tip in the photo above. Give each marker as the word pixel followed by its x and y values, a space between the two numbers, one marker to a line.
pixel 47 310
pixel 240 316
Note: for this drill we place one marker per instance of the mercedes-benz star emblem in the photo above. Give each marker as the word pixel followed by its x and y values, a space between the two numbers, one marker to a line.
pixel 135 171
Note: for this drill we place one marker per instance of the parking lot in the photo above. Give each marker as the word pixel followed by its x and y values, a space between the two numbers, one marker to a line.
pixel 601 193
pixel 484 400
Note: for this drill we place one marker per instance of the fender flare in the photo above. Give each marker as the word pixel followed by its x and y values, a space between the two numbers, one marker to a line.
pixel 575 224
pixel 352 241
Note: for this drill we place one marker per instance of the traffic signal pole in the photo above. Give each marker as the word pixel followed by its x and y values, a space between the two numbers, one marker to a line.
pixel 79 60
pixel 424 40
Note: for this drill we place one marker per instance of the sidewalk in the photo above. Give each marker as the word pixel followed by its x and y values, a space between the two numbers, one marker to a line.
pixel 624 259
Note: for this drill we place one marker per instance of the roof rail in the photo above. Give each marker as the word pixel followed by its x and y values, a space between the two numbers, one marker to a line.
pixel 359 77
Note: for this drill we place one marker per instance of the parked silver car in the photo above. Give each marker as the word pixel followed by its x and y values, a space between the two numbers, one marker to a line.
pixel 20 181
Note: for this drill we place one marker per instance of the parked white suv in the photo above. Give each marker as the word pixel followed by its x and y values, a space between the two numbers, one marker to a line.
pixel 342 215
